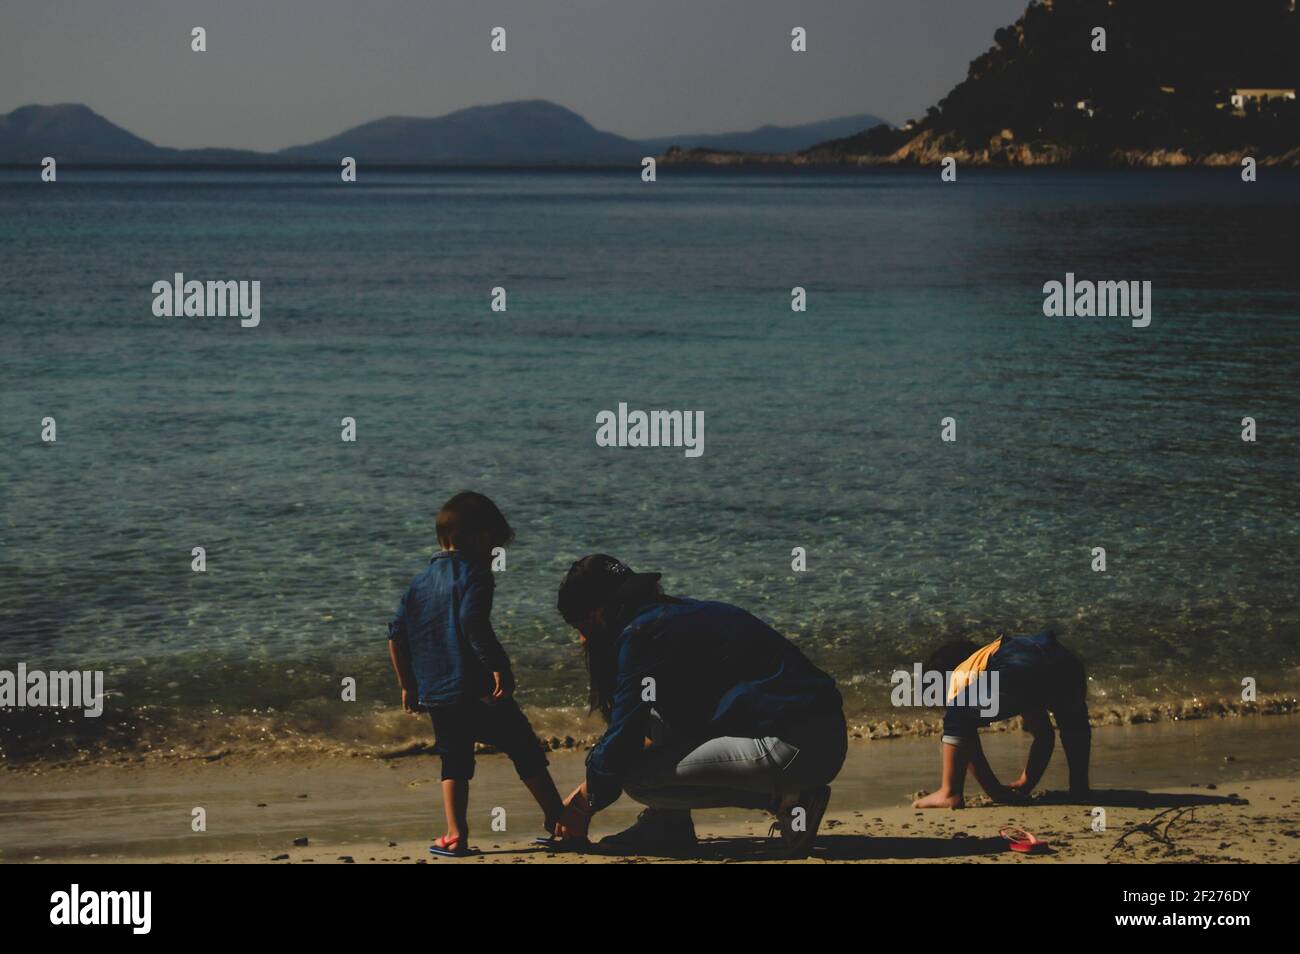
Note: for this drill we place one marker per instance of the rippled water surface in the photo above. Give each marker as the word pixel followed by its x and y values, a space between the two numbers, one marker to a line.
pixel 822 429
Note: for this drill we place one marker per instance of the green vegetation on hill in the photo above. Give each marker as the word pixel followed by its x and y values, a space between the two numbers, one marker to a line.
pixel 1164 82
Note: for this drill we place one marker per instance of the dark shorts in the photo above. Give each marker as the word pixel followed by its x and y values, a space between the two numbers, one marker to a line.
pixel 500 724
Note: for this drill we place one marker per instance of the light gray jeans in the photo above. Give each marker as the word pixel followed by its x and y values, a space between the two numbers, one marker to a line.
pixel 736 772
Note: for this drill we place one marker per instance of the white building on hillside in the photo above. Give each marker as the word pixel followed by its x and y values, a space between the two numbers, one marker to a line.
pixel 1257 96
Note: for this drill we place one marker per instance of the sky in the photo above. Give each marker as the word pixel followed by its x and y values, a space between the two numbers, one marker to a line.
pixel 285 72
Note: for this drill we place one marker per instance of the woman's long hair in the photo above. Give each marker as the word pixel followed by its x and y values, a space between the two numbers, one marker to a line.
pixel 598 650
pixel 602 674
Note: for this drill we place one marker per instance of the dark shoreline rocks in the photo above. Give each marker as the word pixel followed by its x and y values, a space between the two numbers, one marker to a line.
pixel 925 150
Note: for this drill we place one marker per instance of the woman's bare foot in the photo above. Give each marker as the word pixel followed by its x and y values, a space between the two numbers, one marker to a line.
pixel 940 800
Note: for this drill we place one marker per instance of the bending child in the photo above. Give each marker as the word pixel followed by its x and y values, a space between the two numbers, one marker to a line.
pixel 1035 675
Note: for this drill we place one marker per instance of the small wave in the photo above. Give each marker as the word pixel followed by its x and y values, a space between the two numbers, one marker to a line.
pixel 44 738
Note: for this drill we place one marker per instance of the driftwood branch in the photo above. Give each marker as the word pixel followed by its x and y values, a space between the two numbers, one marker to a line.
pixel 1152 827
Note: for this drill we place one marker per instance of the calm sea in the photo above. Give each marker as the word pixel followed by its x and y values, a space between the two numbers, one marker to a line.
pixel 822 428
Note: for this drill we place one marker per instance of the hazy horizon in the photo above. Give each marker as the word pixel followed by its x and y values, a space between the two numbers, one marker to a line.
pixel 296 71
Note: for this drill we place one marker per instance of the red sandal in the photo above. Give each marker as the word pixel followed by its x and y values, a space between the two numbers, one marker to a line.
pixel 1023 841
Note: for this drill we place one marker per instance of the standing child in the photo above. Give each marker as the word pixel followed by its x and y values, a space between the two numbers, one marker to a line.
pixel 450 664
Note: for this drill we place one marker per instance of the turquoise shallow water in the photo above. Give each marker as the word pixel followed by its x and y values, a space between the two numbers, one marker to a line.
pixel 821 428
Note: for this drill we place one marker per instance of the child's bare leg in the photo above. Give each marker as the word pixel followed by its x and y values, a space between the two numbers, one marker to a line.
pixel 1038 724
pixel 542 787
pixel 455 804
pixel 1077 742
pixel 950 790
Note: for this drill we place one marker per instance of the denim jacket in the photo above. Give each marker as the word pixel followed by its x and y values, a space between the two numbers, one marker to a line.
pixel 444 623
pixel 717 671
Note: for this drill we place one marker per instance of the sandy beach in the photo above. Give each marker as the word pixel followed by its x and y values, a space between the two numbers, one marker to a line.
pixel 1225 790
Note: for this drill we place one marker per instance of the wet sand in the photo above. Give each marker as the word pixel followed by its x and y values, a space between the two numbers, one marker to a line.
pixel 1218 790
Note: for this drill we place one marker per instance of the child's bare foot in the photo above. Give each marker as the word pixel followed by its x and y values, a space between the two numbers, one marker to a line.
pixel 940 800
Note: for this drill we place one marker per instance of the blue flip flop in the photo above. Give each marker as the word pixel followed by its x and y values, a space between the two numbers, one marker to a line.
pixel 439 851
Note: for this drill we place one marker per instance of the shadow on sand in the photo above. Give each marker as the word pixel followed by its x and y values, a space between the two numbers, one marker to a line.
pixel 1136 798
pixel 853 847
pixel 830 847
pixel 850 847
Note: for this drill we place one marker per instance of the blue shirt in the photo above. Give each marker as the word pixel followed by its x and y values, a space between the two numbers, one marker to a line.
pixel 444 623
pixel 1034 672
pixel 717 671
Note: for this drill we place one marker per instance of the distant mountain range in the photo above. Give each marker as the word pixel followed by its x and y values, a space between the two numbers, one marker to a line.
pixel 524 131
pixel 1180 82
pixel 515 133
pixel 68 129
pixel 770 138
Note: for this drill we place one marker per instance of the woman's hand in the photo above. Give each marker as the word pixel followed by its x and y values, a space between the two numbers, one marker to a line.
pixel 411 701
pixel 572 826
pixel 575 820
